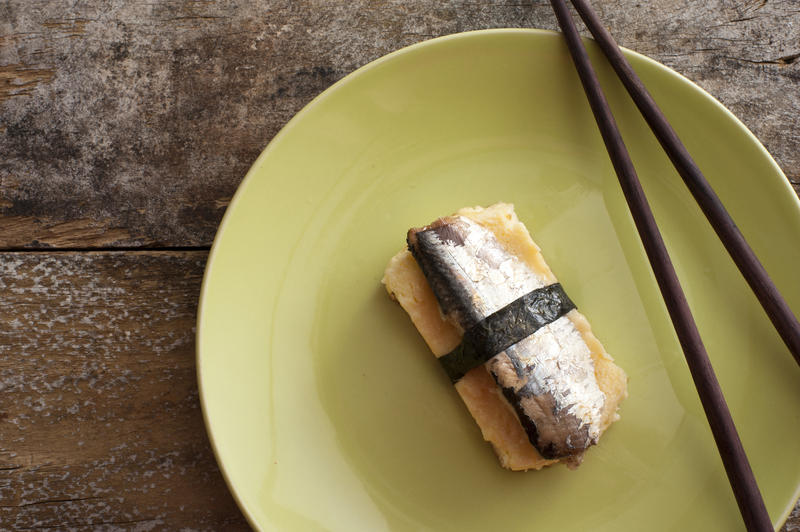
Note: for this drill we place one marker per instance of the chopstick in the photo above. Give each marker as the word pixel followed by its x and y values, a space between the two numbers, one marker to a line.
pixel 734 459
pixel 743 256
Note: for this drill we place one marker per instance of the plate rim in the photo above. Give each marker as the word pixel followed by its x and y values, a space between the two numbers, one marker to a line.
pixel 291 124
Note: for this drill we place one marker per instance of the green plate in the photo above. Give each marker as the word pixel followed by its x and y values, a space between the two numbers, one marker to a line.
pixel 326 410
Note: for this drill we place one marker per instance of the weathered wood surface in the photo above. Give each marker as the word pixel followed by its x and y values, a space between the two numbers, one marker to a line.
pixel 100 427
pixel 126 123
pixel 131 123
pixel 100 424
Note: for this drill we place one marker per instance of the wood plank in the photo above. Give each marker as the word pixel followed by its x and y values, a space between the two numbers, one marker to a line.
pixel 100 423
pixel 130 123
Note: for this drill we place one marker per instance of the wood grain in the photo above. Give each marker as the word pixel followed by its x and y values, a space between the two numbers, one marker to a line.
pixel 100 426
pixel 138 119
pixel 126 124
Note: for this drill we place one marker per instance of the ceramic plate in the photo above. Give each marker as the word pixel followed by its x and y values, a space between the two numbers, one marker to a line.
pixel 326 410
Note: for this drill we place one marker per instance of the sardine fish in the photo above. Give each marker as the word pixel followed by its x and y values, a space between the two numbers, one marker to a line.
pixel 548 376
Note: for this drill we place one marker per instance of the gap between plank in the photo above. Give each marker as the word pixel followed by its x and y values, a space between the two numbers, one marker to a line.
pixel 103 249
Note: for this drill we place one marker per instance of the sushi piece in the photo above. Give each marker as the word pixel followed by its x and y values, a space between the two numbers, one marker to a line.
pixel 539 384
pixel 517 326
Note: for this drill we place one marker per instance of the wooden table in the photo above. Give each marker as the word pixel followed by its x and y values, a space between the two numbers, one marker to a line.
pixel 125 127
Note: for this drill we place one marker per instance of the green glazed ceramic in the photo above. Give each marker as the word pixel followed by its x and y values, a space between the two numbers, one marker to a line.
pixel 326 410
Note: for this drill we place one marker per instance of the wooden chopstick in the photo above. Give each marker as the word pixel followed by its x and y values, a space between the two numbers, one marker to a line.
pixel 740 475
pixel 753 271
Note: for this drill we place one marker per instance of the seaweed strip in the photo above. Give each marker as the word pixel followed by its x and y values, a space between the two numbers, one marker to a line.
pixel 505 327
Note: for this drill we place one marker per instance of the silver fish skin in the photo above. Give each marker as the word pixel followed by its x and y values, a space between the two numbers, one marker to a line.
pixel 547 378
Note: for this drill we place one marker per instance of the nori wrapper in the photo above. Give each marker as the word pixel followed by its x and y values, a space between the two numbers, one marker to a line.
pixel 505 327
